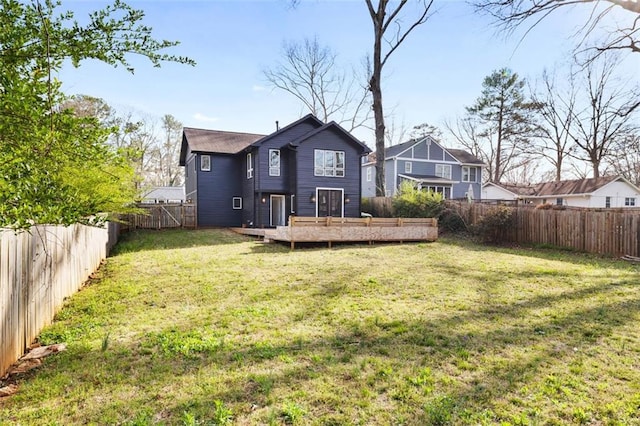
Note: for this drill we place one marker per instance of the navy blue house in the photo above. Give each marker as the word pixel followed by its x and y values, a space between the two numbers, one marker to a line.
pixel 307 168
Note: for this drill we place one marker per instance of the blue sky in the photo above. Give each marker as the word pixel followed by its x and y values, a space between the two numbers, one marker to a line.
pixel 432 77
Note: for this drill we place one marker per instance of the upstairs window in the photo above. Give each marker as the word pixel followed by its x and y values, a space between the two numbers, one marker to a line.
pixel 407 167
pixel 249 166
pixel 369 174
pixel 205 163
pixel 607 202
pixel 328 163
pixel 443 171
pixel 630 202
pixel 469 174
pixel 274 162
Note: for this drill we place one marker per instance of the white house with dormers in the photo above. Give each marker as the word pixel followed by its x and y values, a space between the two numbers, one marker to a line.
pixel 452 172
pixel 601 192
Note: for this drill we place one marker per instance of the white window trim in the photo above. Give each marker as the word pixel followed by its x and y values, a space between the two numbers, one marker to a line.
pixel 293 203
pixel 237 203
pixel 202 165
pixel 629 201
pixel 329 189
pixel 443 167
pixel 274 170
pixel 335 167
pixel 284 208
pixel 249 166
pixel 469 168
pixel 369 174
pixel 408 167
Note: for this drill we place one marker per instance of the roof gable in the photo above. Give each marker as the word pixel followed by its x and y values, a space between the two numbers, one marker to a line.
pixel 333 126
pixel 309 118
pixel 460 155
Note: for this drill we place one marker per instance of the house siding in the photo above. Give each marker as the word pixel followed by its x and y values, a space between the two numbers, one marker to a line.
pixel 307 182
pixel 618 191
pixel 216 191
pixel 368 187
pixel 280 184
pixel 390 178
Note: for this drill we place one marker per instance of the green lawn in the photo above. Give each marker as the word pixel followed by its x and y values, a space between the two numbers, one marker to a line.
pixel 208 327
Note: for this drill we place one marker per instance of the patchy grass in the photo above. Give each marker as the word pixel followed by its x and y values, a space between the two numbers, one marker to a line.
pixel 208 327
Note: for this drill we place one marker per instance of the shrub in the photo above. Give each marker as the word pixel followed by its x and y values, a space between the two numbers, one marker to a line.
pixel 451 221
pixel 413 202
pixel 492 226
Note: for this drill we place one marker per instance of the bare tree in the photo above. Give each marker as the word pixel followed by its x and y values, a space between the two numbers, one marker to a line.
pixel 607 112
pixel 422 130
pixel 389 33
pixel 511 14
pixel 555 112
pixel 310 72
pixel 169 173
pixel 626 158
pixel 468 134
pixel 396 132
pixel 527 172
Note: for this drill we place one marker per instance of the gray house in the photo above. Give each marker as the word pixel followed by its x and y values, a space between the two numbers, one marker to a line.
pixel 307 168
pixel 452 172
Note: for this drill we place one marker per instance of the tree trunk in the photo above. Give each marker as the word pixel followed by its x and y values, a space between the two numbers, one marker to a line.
pixel 498 172
pixel 376 94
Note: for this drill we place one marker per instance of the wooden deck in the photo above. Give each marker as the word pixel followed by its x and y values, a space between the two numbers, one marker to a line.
pixel 342 229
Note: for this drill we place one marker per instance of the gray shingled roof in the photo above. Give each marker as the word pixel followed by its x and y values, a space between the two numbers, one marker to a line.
pixel 563 187
pixel 394 150
pixel 464 157
pixel 217 141
pixel 572 187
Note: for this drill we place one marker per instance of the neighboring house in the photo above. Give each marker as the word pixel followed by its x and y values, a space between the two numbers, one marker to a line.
pixel 452 172
pixel 602 192
pixel 307 168
pixel 164 194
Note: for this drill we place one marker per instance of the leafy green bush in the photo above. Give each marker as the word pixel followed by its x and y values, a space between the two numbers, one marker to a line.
pixel 494 225
pixel 413 202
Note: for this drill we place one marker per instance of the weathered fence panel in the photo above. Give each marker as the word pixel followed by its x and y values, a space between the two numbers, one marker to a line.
pixel 38 270
pixel 604 231
pixel 378 206
pixel 162 216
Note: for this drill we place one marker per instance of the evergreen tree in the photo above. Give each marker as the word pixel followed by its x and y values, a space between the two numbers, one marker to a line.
pixel 505 122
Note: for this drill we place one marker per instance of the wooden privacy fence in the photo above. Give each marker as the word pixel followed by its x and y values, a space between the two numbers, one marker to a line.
pixel 603 231
pixel 38 270
pixel 162 216
pixel 378 206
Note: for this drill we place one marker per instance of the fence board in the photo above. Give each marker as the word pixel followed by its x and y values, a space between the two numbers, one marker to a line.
pixel 38 270
pixel 162 216
pixel 614 232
